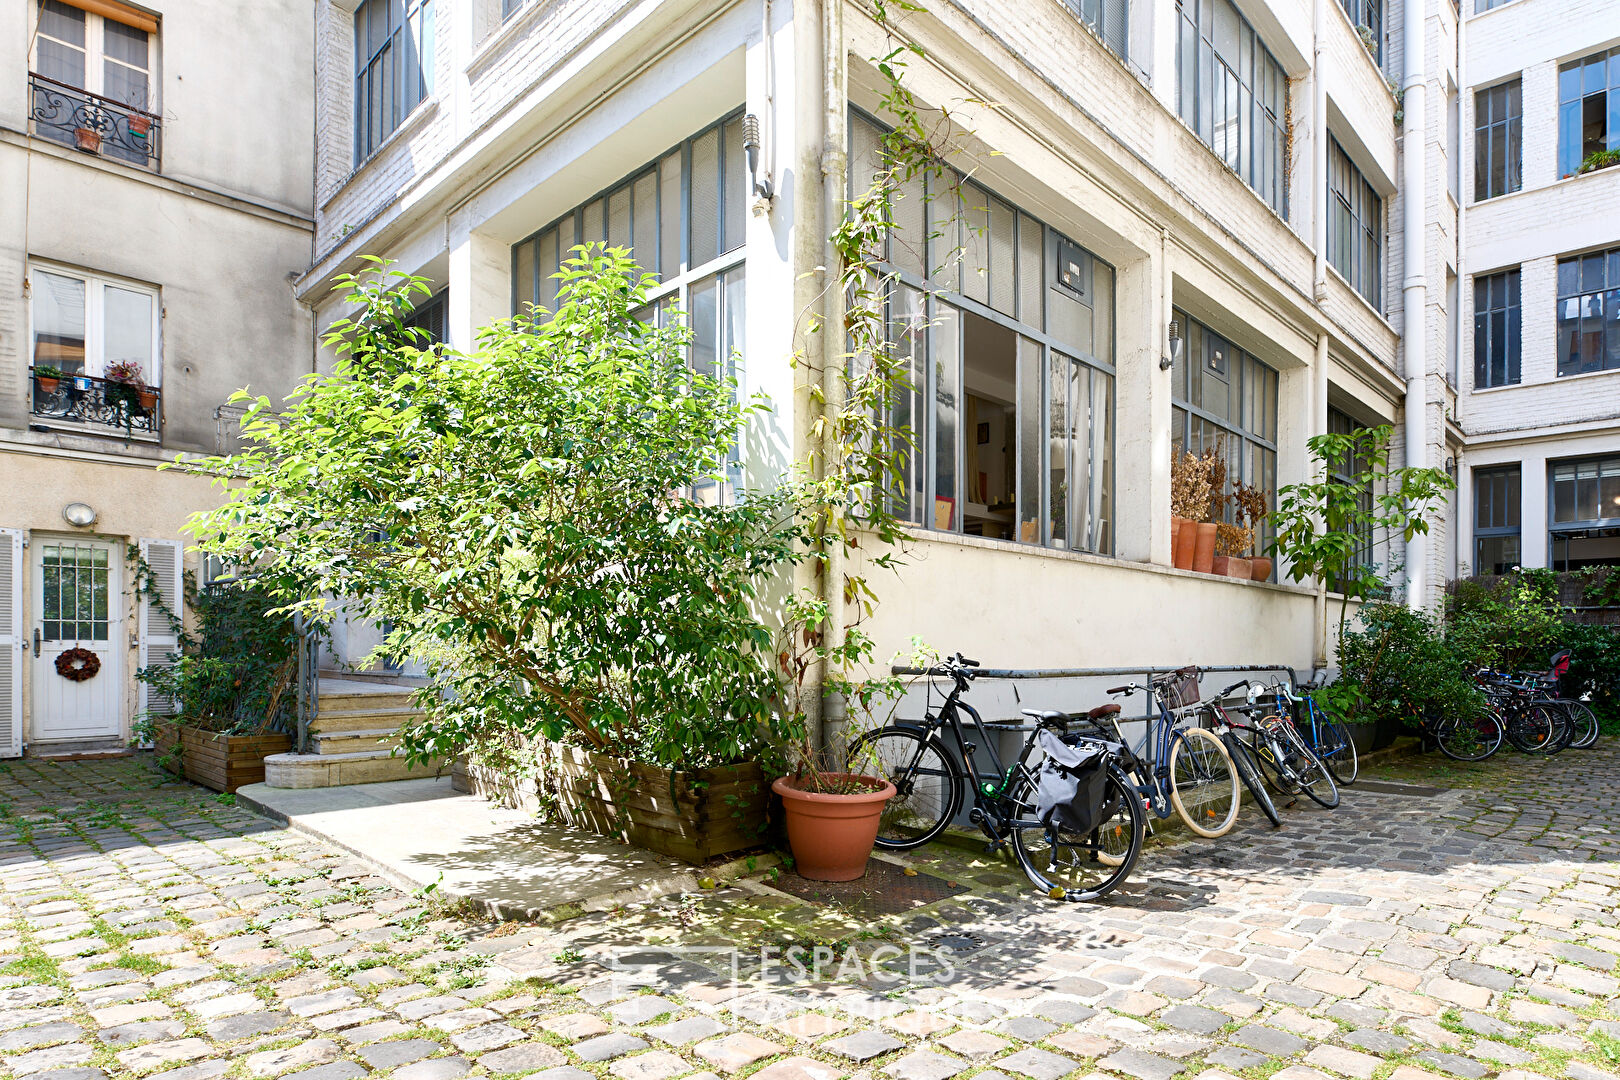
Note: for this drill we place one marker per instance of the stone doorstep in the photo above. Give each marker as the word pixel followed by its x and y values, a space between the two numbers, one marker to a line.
pixel 679 881
pixel 330 743
pixel 303 771
pixel 368 718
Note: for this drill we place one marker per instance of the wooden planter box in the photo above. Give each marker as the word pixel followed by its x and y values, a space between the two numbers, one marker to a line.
pixel 692 815
pixel 221 762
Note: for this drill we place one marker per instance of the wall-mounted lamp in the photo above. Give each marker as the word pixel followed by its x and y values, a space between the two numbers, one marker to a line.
pixel 762 185
pixel 80 515
pixel 1451 467
pixel 1167 362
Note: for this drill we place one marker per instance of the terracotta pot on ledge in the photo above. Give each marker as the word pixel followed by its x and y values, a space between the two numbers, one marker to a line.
pixel 1260 568
pixel 1187 540
pixel 1237 568
pixel 1204 547
pixel 1175 537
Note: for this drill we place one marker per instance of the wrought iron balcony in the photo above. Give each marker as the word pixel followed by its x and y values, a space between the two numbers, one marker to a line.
pixel 93 123
pixel 92 402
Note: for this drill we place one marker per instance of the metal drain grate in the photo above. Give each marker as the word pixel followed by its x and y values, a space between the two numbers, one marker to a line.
pixel 958 941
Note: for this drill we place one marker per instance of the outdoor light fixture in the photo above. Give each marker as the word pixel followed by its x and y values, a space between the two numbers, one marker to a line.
pixel 79 514
pixel 762 188
pixel 1166 362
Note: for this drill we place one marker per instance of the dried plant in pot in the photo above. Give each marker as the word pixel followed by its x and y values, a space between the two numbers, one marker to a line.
pixel 1250 506
pixel 1189 502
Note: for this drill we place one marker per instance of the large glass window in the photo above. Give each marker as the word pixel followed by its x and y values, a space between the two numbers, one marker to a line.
pixel 1589 313
pixel 1498 140
pixel 1486 5
pixel 1496 329
pixel 393 67
pixel 1367 16
pixel 1355 226
pixel 1226 400
pixel 1588 109
pixel 1345 471
pixel 85 325
pixel 93 73
pixel 1585 498
pixel 1496 519
pixel 1234 94
pixel 1109 18
pixel 1008 325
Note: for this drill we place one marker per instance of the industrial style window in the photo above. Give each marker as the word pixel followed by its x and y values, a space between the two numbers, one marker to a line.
pixel 1496 519
pixel 1585 529
pixel 1109 18
pixel 1588 109
pixel 95 350
pixel 430 316
pixel 91 83
pixel 1345 470
pixel 1234 94
pixel 1224 398
pixel 1355 226
pixel 1496 329
pixel 510 7
pixel 1367 16
pixel 1486 5
pixel 1009 329
pixel 1498 140
pixel 393 67
pixel 1589 313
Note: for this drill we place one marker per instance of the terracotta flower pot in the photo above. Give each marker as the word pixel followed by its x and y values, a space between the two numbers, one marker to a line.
pixel 1220 566
pixel 1237 568
pixel 1175 536
pixel 147 398
pixel 1188 540
pixel 831 835
pixel 48 386
pixel 139 125
pixel 1204 547
pixel 87 139
pixel 1260 568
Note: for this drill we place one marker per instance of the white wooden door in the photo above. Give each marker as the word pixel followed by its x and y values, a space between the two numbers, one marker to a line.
pixel 13 642
pixel 78 601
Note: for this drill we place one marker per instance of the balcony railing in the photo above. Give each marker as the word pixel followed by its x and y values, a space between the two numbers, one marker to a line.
pixel 93 402
pixel 93 123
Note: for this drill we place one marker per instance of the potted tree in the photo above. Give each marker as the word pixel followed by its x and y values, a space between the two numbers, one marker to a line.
pixel 1189 502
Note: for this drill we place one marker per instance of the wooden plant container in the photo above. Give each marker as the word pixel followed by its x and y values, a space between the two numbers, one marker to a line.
pixel 692 815
pixel 220 762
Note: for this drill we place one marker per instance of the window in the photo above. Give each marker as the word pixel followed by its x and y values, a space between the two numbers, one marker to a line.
pixel 1486 5
pixel 1498 140
pixel 95 350
pixel 1355 226
pixel 430 316
pixel 1224 398
pixel 1008 326
pixel 1109 18
pixel 1496 329
pixel 1234 94
pixel 1345 471
pixel 1589 313
pixel 511 7
pixel 1496 519
pixel 1367 16
pixel 393 67
pixel 1585 515
pixel 91 85
pixel 1588 109
pixel 683 218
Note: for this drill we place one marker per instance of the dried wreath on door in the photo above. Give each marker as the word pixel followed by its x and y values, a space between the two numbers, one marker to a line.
pixel 77 665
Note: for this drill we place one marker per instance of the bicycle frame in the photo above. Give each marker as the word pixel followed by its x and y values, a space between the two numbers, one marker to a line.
pixel 988 789
pixel 1156 791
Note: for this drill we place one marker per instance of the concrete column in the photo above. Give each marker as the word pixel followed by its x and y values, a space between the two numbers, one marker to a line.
pixel 1465 518
pixel 1142 411
pixel 1533 548
pixel 480 281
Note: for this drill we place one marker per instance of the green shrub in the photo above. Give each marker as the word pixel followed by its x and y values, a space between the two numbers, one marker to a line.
pixel 1395 662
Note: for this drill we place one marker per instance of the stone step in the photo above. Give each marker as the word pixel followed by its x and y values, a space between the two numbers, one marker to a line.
pixel 342 702
pixel 336 770
pixel 328 743
pixel 336 720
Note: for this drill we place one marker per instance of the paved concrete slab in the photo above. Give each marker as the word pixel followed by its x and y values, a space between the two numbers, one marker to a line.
pixel 423 832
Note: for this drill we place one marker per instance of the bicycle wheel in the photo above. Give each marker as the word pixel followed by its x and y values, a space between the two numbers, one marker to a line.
pixel 1249 772
pixel 1315 779
pixel 1585 723
pixel 1525 732
pixel 1465 740
pixel 928 787
pixel 1075 867
pixel 1203 784
pixel 1558 732
pixel 1563 725
pixel 1337 750
pixel 1270 754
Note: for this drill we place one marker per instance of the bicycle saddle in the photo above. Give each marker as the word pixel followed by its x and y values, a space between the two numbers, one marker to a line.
pixel 1103 710
pixel 1048 716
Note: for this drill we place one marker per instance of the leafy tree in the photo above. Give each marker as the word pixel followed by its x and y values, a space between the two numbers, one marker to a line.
pixel 528 517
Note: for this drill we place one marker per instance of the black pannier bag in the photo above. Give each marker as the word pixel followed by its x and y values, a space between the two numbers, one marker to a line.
pixel 1070 785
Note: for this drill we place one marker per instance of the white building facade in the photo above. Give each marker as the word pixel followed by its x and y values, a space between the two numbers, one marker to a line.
pixel 155 204
pixel 1232 167
pixel 1539 388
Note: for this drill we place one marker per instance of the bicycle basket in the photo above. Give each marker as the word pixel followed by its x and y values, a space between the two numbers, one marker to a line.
pixel 1178 689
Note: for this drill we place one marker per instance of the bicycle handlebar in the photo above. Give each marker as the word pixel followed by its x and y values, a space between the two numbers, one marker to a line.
pixel 1128 688
pixel 1229 689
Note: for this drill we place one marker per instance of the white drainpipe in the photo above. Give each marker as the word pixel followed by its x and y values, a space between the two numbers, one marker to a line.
pixel 1415 285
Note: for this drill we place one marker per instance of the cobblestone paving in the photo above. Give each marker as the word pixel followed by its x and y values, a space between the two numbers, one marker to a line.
pixel 152 929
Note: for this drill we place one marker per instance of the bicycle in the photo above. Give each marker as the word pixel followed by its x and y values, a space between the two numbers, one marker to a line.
pixel 1186 770
pixel 1244 761
pixel 1463 740
pixel 931 785
pixel 1328 739
pixel 1530 724
pixel 1289 765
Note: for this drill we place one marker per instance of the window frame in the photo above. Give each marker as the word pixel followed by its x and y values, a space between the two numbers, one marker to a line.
pixel 1099 16
pixel 418 55
pixel 1358 12
pixel 1512 326
pixel 1357 210
pixel 95 317
pixel 1608 313
pixel 1491 130
pixel 96 57
pixel 1340 422
pixel 1507 472
pixel 1606 465
pixel 1571 106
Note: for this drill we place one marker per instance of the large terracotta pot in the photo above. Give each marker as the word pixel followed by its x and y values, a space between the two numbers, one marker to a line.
pixel 1220 566
pixel 831 835
pixel 1204 547
pixel 1188 541
pixel 1237 568
pixel 1175 537
pixel 1260 568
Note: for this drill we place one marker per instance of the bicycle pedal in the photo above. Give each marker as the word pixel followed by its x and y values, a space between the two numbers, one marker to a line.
pixel 992 847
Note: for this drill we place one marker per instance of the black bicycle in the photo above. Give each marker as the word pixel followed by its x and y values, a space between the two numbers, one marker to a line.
pixel 931 786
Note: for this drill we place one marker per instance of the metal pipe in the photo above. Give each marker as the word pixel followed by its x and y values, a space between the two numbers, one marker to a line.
pixel 834 177
pixel 1319 156
pixel 1414 198
pixel 1084 673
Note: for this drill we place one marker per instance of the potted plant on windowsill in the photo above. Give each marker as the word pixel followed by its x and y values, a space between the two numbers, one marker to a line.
pixel 125 383
pixel 1598 159
pixel 87 139
pixel 1189 503
pixel 48 379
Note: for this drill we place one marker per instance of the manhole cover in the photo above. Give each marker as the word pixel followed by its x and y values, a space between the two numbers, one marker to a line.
pixel 958 941
pixel 885 890
pixel 1389 787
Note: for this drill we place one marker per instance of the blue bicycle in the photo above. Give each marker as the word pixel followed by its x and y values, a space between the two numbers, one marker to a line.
pixel 1328 739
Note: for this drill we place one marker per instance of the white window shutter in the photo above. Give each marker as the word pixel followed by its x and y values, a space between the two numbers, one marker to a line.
pixel 13 642
pixel 159 638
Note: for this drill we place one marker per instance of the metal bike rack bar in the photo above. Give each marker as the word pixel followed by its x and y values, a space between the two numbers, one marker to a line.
pixel 1083 673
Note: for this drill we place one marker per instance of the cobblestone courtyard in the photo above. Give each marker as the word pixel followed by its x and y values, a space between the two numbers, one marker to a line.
pixel 155 929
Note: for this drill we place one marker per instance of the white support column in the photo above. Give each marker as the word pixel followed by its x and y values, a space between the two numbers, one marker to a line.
pixel 1533 547
pixel 1142 409
pixel 480 281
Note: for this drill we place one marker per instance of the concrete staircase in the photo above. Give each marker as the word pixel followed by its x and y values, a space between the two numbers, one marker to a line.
pixel 353 737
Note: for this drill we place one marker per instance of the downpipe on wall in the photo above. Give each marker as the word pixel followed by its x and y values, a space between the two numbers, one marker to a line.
pixel 1415 280
pixel 834 177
